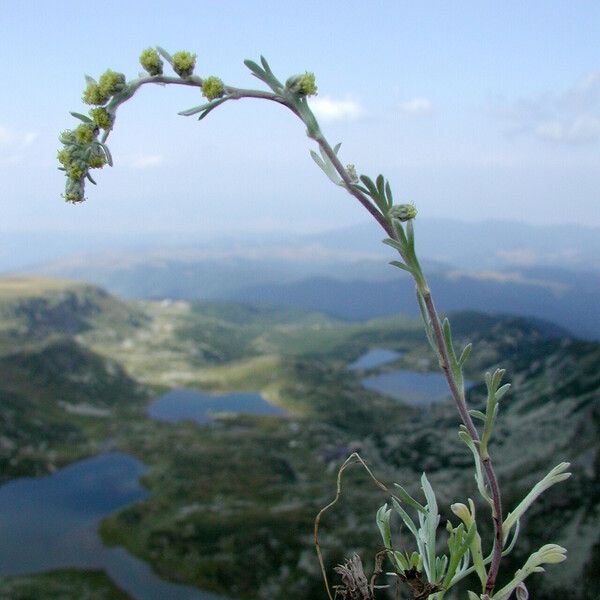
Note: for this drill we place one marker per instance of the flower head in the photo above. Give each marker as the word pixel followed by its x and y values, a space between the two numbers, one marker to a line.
pixel 212 87
pixel 85 133
pixel 64 156
pixel 150 60
pixel 67 137
pixel 101 117
pixel 76 172
pixel 351 170
pixel 111 82
pixel 93 95
pixel 74 191
pixel 184 63
pixel 303 85
pixel 402 212
pixel 97 158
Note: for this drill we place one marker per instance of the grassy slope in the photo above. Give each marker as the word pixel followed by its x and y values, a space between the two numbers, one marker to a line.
pixel 65 584
pixel 59 400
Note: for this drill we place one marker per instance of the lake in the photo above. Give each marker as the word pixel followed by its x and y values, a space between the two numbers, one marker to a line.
pixel 198 406
pixel 52 522
pixel 374 358
pixel 416 389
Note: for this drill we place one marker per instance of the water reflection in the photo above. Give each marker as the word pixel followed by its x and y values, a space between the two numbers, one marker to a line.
pixel 374 358
pixel 52 522
pixel 417 389
pixel 194 405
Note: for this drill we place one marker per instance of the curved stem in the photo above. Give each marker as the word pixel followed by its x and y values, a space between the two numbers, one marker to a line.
pixel 304 113
pixel 457 394
pixel 324 144
pixel 232 93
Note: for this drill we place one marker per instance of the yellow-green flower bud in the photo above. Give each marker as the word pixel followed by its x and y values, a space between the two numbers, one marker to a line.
pixel 74 191
pixel 75 172
pixel 150 60
pixel 351 170
pixel 93 94
pixel 67 137
pixel 111 82
pixel 304 85
pixel 97 158
pixel 212 87
pixel 101 117
pixel 463 513
pixel 64 156
pixel 402 212
pixel 184 63
pixel 85 133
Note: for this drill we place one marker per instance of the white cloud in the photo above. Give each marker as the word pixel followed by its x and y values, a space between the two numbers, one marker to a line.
pixel 583 128
pixel 571 117
pixel 13 144
pixel 416 106
pixel 328 109
pixel 147 161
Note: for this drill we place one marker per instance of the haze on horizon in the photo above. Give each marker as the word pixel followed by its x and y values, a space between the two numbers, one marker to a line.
pixel 477 111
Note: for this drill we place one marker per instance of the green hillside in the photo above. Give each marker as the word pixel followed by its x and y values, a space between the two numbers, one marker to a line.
pixel 67 584
pixel 231 506
pixel 59 400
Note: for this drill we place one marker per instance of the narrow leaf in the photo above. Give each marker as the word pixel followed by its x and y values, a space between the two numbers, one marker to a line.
pixel 408 499
pixel 478 415
pixel 256 70
pixel 107 153
pixel 364 190
pixel 383 523
pixel 81 117
pixel 165 55
pixel 393 243
pixel 405 517
pixel 369 185
pixel 380 181
pixel 556 475
pixel 501 391
pixel 401 265
pixel 465 354
pixel 317 159
pixel 402 562
pixel 388 194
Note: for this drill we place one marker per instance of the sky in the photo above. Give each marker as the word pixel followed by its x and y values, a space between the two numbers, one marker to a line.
pixel 472 110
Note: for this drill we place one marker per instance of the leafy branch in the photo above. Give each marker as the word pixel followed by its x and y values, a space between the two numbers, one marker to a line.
pixel 85 149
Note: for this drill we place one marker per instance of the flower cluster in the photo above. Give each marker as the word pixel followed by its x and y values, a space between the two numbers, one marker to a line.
pixel 402 212
pixel 212 87
pixel 150 60
pixel 81 152
pixel 102 118
pixel 303 85
pixel 184 63
pixel 109 84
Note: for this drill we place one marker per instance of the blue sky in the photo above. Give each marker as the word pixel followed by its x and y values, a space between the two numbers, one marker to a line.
pixel 473 110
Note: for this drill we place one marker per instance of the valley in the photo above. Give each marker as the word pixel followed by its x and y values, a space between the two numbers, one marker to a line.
pixel 230 503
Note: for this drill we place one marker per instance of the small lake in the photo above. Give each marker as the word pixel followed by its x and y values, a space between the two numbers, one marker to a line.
pixel 52 522
pixel 374 358
pixel 194 405
pixel 416 389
